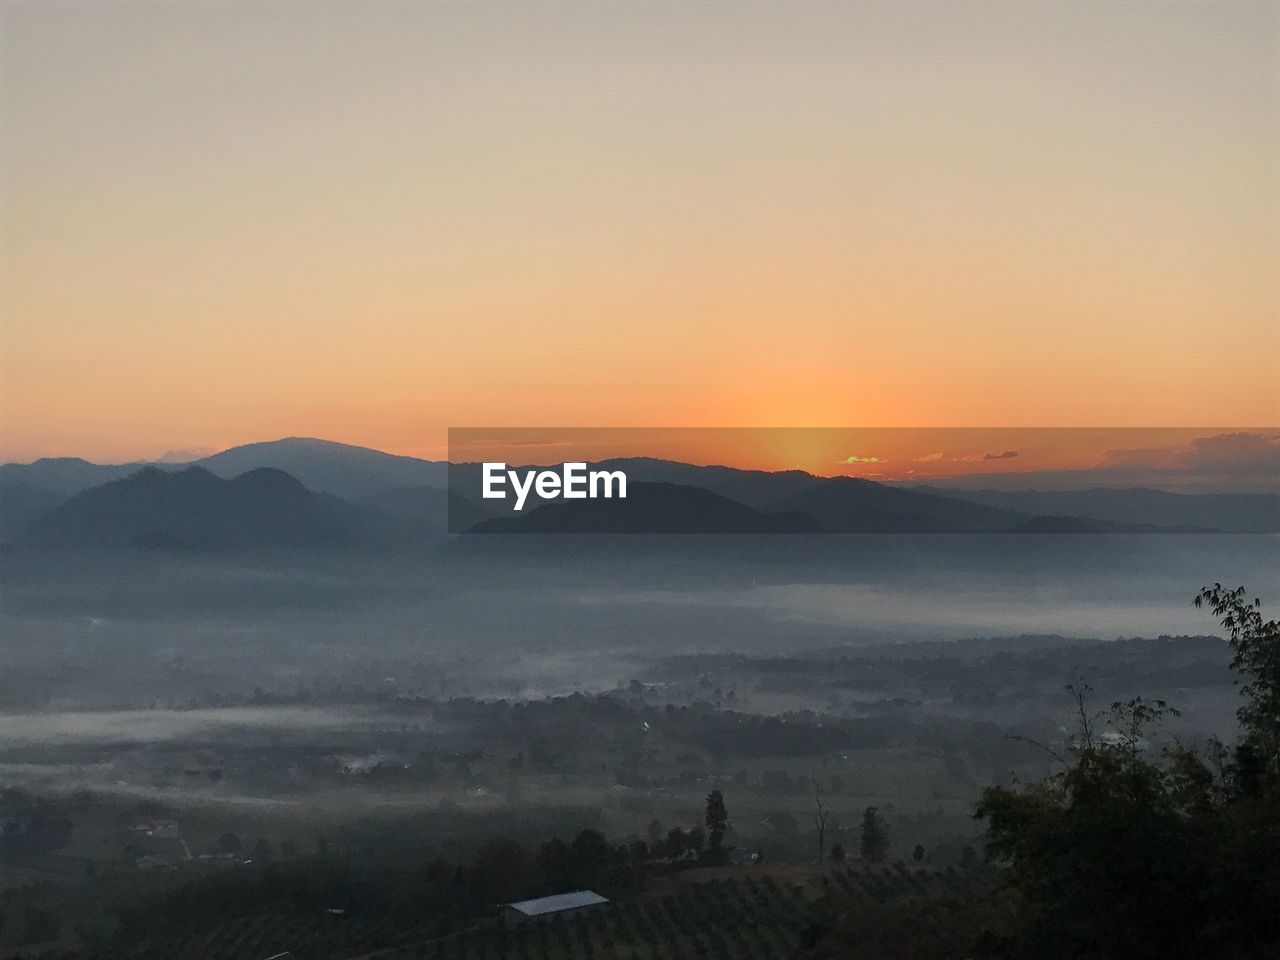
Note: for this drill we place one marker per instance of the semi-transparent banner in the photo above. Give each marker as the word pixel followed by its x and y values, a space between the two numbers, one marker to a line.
pixel 860 480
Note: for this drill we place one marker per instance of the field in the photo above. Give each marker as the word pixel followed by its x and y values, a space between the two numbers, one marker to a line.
pixel 752 913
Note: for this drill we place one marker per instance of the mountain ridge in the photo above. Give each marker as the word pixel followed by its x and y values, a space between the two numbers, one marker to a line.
pixel 393 499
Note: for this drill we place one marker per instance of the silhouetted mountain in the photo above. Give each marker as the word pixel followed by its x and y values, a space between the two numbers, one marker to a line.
pixel 430 510
pixel 652 508
pixel 64 476
pixel 755 488
pixel 403 498
pixel 1228 512
pixel 851 505
pixel 838 504
pixel 354 473
pixel 194 508
pixel 21 503
pixel 30 490
pixel 27 490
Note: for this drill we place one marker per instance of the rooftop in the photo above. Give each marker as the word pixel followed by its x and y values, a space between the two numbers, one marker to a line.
pixel 561 901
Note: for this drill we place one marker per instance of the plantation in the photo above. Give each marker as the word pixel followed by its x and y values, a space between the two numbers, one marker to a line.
pixel 738 913
pixel 304 937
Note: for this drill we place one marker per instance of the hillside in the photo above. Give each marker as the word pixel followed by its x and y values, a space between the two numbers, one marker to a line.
pixel 851 505
pixel 652 508
pixel 194 508
pixel 1227 512
pixel 354 473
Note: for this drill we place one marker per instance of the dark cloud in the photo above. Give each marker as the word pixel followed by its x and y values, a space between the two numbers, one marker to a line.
pixel 1215 452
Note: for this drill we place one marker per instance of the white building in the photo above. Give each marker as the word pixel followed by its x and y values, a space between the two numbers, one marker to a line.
pixel 546 908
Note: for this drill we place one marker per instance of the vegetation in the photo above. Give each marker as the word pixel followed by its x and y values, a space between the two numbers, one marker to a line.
pixel 717 821
pixel 1133 852
pixel 1130 848
pixel 732 913
pixel 875 836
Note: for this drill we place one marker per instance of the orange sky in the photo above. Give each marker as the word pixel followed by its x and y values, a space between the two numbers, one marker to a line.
pixel 225 223
pixel 894 453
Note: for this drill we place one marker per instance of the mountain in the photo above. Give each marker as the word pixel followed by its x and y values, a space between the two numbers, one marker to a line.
pixel 30 490
pixel 852 505
pixel 755 488
pixel 838 504
pixel 21 503
pixel 354 473
pixel 1226 512
pixel 652 508
pixel 192 507
pixel 397 500
pixel 63 476
pixel 429 510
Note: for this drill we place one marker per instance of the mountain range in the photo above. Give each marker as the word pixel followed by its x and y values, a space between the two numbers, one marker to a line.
pixel 301 492
pixel 193 507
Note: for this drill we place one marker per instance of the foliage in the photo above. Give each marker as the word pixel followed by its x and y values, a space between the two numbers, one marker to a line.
pixel 717 819
pixel 874 846
pixel 1133 852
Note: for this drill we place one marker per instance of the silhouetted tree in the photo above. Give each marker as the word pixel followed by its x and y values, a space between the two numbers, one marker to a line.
pixel 1127 852
pixel 820 816
pixel 716 819
pixel 874 845
pixel 655 832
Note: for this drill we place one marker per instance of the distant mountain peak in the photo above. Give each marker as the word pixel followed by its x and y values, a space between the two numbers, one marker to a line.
pixel 193 507
pixel 264 478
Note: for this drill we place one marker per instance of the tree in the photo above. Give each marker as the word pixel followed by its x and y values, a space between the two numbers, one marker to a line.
pixel 262 851
pixel 591 854
pixel 820 815
pixel 1129 851
pixel 716 819
pixel 874 846
pixel 837 853
pixel 917 855
pixel 1256 646
pixel 655 832
pixel 229 843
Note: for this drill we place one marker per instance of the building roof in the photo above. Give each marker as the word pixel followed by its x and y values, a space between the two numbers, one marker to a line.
pixel 561 901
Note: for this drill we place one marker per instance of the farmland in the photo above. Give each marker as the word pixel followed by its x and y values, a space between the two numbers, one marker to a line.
pixel 753 913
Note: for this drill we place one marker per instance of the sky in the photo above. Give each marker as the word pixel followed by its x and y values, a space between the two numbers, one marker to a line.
pixel 370 222
pixel 1169 458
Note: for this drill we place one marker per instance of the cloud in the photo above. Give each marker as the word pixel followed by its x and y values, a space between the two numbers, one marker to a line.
pixel 1240 462
pixel 1216 452
pixel 857 459
pixel 929 458
pixel 1002 455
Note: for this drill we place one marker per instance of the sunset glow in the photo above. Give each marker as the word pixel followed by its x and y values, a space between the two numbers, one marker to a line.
pixel 882 214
